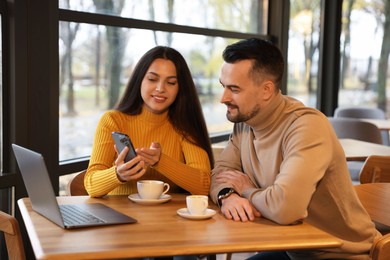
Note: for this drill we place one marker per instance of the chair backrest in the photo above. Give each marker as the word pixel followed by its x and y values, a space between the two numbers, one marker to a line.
pixel 76 186
pixel 13 238
pixel 380 249
pixel 375 169
pixel 364 112
pixel 360 112
pixel 356 129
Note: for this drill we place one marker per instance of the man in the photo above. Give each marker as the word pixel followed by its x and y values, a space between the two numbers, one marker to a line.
pixel 283 161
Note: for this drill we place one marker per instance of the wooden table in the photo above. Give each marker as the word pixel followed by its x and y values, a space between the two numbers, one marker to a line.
pixel 161 232
pixel 382 124
pixel 375 198
pixel 356 150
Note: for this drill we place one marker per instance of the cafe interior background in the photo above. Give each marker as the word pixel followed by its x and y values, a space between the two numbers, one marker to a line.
pixel 63 63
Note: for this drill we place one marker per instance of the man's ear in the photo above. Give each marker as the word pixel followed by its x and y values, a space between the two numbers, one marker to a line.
pixel 268 89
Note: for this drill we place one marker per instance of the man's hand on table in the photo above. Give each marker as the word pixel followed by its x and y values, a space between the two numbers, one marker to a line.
pixel 238 208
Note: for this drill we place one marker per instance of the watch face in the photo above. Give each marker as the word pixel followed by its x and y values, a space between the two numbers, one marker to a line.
pixel 225 191
pixel 226 194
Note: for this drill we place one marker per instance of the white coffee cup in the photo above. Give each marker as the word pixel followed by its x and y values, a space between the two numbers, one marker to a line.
pixel 151 189
pixel 197 204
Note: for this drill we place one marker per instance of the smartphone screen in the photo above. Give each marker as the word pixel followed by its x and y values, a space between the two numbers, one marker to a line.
pixel 121 141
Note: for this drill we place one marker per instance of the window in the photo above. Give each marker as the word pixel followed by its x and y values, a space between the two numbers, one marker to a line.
pixel 101 41
pixel 239 16
pixel 362 82
pixel 303 50
pixel 97 56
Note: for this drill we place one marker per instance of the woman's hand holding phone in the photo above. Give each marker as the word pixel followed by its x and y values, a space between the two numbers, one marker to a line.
pixel 129 166
pixel 131 170
pixel 121 141
pixel 131 163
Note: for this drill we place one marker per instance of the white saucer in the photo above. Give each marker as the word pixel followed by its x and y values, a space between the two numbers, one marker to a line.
pixel 183 212
pixel 136 198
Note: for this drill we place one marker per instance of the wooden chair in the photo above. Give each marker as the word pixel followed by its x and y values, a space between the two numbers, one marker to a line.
pixel 13 238
pixel 375 199
pixel 375 169
pixel 380 250
pixel 75 186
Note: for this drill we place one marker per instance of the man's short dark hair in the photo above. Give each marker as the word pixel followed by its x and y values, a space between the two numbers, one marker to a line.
pixel 268 60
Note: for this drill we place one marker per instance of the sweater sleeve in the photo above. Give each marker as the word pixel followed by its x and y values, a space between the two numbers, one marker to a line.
pixel 306 155
pixel 228 159
pixel 101 177
pixel 193 175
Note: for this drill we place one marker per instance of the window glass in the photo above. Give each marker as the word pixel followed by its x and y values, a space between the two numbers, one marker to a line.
pixel 362 40
pixel 241 16
pixel 89 87
pixel 303 51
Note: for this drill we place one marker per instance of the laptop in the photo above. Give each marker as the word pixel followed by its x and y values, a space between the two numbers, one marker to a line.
pixel 43 199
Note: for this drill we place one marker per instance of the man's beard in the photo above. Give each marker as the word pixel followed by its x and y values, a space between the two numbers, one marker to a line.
pixel 242 117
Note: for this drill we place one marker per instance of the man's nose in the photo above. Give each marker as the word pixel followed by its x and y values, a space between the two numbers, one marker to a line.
pixel 225 96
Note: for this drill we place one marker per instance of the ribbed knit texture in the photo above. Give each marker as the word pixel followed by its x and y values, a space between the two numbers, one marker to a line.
pixel 182 164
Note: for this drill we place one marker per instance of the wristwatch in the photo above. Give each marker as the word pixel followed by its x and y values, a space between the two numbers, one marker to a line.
pixel 224 193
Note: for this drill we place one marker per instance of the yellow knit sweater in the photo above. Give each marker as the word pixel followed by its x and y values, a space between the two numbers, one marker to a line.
pixel 182 164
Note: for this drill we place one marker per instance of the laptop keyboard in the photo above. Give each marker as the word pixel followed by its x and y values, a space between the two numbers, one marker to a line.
pixel 73 215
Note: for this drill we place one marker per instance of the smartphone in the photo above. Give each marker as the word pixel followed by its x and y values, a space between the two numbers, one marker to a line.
pixel 121 141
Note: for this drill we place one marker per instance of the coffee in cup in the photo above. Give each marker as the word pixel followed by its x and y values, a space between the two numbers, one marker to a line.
pixel 197 204
pixel 151 189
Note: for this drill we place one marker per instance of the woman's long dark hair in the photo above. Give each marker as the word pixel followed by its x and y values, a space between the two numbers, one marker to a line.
pixel 185 113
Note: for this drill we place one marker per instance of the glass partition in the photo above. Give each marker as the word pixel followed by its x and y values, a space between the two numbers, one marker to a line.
pixel 247 16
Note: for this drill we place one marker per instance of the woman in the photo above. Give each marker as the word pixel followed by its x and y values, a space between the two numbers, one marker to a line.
pixel 161 113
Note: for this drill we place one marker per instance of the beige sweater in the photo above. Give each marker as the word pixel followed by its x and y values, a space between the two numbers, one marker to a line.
pixel 182 164
pixel 293 156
